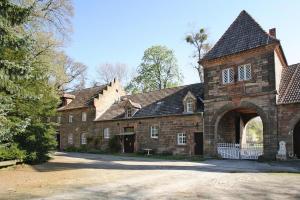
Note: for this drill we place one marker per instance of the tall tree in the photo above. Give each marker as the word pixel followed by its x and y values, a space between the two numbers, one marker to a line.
pixel 108 71
pixel 158 70
pixel 199 41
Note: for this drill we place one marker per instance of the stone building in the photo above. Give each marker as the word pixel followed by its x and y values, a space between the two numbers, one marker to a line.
pixel 246 75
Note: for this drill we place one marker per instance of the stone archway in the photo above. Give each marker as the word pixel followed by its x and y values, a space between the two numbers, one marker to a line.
pixel 296 139
pixel 230 118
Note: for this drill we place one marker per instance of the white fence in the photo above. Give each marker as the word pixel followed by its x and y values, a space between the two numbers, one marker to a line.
pixel 234 151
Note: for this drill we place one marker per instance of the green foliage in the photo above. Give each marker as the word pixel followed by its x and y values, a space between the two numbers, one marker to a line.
pixel 254 131
pixel 158 70
pixel 199 41
pixel 37 141
pixel 114 144
pixel 11 153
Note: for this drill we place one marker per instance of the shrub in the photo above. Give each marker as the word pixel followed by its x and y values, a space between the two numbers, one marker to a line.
pixel 114 145
pixel 11 153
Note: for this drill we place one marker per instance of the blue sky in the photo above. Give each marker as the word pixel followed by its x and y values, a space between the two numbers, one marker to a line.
pixel 119 31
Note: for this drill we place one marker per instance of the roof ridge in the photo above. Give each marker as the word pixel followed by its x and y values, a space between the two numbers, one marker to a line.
pixel 176 87
pixel 290 82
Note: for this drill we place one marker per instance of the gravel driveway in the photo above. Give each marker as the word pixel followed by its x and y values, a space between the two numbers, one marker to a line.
pixel 90 176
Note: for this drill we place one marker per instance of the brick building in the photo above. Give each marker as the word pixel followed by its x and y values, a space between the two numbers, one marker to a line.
pixel 245 75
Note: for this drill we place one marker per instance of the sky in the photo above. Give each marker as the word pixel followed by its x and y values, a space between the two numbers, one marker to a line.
pixel 119 31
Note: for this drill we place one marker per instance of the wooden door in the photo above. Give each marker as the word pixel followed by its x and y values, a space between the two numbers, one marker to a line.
pixel 129 143
pixel 198 138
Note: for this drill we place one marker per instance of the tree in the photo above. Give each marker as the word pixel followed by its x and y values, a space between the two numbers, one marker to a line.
pixel 107 72
pixel 199 41
pixel 27 96
pixel 158 70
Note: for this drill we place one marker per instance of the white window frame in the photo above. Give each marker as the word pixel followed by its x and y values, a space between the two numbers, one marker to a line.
pixel 189 105
pixel 127 113
pixel 181 139
pixel 242 72
pixel 226 73
pixel 59 119
pixel 83 116
pixel 106 133
pixel 70 118
pixel 154 131
pixel 70 138
pixel 83 139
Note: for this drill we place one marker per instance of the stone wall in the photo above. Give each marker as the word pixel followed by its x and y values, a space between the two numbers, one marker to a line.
pixel 257 94
pixel 288 117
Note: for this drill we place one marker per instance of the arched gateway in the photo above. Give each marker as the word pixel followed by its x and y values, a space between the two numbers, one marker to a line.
pixel 296 140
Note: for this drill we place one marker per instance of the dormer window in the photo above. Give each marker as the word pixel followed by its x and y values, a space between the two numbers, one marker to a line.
pixel 189 105
pixel 228 75
pixel 244 72
pixel 129 112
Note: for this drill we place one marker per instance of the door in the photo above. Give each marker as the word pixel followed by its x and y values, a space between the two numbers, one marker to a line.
pixel 58 141
pixel 198 138
pixel 296 137
pixel 129 143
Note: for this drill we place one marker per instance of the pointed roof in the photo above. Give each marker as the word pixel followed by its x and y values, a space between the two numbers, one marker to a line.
pixel 243 34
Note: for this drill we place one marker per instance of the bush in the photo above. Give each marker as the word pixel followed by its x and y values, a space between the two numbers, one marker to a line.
pixel 114 145
pixel 11 153
pixel 37 141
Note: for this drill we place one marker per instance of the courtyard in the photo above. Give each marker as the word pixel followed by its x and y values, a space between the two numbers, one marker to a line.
pixel 94 176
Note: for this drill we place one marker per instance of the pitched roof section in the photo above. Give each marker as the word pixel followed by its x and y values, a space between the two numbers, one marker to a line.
pixel 289 89
pixel 157 103
pixel 83 97
pixel 243 34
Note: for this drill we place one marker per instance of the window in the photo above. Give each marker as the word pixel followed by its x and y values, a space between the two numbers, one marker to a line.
pixel 129 112
pixel 59 119
pixel 70 138
pixel 228 75
pixel 154 131
pixel 189 105
pixel 70 118
pixel 83 138
pixel 106 133
pixel 181 138
pixel 244 72
pixel 83 116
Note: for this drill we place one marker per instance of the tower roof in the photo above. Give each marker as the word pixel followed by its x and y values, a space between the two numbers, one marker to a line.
pixel 243 34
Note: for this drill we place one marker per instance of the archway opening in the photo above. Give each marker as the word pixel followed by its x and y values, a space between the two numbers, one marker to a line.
pixel 296 140
pixel 240 134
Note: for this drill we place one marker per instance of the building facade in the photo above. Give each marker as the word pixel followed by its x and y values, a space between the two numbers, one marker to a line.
pixel 246 75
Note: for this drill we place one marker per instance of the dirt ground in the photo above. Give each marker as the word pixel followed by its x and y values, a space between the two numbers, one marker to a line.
pixel 89 176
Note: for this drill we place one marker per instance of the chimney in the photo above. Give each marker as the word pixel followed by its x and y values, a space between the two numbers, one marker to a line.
pixel 272 32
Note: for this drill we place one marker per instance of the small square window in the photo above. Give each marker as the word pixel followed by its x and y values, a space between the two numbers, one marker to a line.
pixel 154 131
pixel 228 75
pixel 70 118
pixel 181 139
pixel 83 116
pixel 106 133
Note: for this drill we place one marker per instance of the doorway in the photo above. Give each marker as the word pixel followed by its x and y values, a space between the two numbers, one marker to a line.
pixel 296 140
pixel 58 141
pixel 129 143
pixel 198 138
